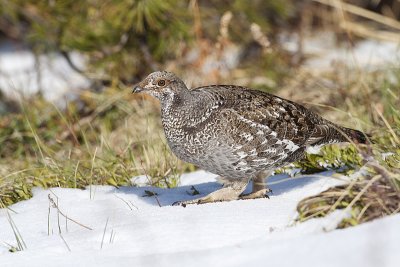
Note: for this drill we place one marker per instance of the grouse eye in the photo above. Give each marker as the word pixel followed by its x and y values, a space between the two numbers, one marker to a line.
pixel 161 83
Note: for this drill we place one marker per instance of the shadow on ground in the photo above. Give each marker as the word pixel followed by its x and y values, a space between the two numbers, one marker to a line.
pixel 279 184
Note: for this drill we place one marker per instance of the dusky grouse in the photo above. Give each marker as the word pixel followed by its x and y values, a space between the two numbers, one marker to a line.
pixel 238 133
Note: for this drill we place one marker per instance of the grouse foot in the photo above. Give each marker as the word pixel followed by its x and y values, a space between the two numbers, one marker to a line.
pixel 259 187
pixel 230 191
pixel 263 193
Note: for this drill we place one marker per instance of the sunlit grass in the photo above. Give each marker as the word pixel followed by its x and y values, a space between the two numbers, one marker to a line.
pixel 376 191
pixel 99 139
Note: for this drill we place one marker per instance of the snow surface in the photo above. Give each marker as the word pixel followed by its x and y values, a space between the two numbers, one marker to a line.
pixel 22 75
pixel 141 233
pixel 325 52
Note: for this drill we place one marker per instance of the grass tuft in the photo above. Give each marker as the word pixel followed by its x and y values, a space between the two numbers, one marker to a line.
pixel 374 193
pixel 98 139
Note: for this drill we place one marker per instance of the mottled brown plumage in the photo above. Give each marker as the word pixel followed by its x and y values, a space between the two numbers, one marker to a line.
pixel 237 133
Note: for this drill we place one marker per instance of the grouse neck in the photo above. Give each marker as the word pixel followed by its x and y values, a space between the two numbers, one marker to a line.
pixel 175 103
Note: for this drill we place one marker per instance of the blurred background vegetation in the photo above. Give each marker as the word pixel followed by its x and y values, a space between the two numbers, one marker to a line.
pixel 124 40
pixel 104 135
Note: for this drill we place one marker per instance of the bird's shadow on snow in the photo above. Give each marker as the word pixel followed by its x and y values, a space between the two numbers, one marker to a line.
pixel 282 183
pixel 279 184
pixel 166 196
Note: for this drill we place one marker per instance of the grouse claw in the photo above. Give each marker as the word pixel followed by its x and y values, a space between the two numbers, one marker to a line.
pixel 179 203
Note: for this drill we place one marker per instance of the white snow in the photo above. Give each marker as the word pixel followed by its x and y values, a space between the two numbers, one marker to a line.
pixel 22 75
pixel 326 53
pixel 237 233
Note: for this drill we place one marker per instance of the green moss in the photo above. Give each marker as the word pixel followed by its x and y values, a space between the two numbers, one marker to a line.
pixel 374 194
pixel 341 158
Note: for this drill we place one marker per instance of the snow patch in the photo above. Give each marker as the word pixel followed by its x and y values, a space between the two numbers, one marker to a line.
pixel 324 53
pixel 23 74
pixel 132 230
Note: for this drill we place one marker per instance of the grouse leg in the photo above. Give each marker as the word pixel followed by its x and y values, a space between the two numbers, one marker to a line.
pixel 231 190
pixel 259 187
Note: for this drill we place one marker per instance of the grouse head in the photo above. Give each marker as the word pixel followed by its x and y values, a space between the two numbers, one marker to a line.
pixel 162 85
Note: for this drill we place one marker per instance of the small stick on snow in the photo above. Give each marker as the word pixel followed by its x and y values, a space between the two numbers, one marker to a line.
pixel 104 233
pixel 65 242
pixel 58 218
pixel 56 206
pixel 48 220
pixel 129 204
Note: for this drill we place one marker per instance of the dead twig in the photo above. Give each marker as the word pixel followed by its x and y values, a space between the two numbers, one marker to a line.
pixel 54 205
pixel 361 12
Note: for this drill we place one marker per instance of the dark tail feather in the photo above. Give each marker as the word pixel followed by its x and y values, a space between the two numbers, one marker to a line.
pixel 355 136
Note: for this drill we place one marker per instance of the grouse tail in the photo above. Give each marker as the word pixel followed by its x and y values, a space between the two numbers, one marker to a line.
pixel 356 136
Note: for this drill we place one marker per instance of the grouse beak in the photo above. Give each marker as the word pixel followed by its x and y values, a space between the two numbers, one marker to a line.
pixel 137 89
